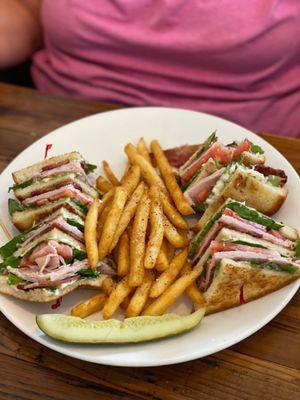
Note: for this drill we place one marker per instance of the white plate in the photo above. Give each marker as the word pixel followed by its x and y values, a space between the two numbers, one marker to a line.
pixel 103 136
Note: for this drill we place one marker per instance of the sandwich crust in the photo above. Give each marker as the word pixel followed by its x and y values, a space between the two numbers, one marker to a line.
pixel 244 187
pixel 26 173
pixel 225 290
pixel 24 220
pixel 42 295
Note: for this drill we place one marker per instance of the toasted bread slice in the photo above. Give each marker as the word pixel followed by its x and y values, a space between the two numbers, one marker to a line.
pixel 27 173
pixel 24 220
pixel 225 289
pixel 246 187
pixel 248 158
pixel 44 295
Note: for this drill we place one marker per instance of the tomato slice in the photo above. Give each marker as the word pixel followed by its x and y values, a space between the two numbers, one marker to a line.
pixel 245 145
pixel 216 151
pixel 218 247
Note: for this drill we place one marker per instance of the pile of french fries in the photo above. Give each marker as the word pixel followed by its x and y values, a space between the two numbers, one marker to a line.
pixel 140 224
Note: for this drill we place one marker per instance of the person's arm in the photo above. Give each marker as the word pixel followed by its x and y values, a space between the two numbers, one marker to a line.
pixel 20 31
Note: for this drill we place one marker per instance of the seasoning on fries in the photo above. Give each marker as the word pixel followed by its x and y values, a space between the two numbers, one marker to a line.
pixel 147 170
pixel 169 178
pixel 164 301
pixel 157 229
pixel 111 222
pixel 140 296
pixel 169 275
pixel 137 241
pixel 192 291
pixel 131 178
pixel 162 262
pixel 128 213
pixel 123 255
pixel 172 214
pixel 116 297
pixel 90 234
pixel 108 285
pixel 173 236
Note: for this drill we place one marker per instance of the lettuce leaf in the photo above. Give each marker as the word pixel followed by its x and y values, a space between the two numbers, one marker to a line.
pixel 10 262
pixel 80 205
pixel 88 273
pixel 253 215
pixel 14 280
pixel 10 247
pixel 73 222
pixel 272 266
pixel 88 168
pixel 205 145
pixel 20 185
pixel 274 180
pixel 256 149
pixel 14 205
pixel 244 242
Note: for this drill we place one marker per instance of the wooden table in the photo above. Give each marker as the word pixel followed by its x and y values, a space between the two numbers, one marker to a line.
pixel 264 366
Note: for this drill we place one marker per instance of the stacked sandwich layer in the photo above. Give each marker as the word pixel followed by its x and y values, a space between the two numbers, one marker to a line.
pixel 215 172
pixel 52 200
pixel 244 255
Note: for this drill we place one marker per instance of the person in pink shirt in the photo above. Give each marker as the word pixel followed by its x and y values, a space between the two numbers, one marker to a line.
pixel 236 59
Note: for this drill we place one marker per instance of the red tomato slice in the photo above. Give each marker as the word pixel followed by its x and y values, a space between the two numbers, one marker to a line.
pixel 217 150
pixel 245 145
pixel 217 247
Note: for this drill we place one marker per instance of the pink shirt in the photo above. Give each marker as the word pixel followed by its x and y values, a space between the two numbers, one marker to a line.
pixel 236 59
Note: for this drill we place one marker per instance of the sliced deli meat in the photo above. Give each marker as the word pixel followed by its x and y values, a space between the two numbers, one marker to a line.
pixel 56 194
pixel 198 192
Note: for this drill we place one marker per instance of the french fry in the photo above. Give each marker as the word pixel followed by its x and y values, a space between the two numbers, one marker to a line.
pixel 172 213
pixel 112 220
pixel 170 252
pixel 90 234
pixel 173 236
pixel 137 241
pixel 126 301
pixel 123 255
pixel 147 171
pixel 157 229
pixel 110 175
pixel 131 178
pixel 170 181
pixel 162 262
pixel 106 199
pixel 192 291
pixel 116 297
pixel 103 185
pixel 102 220
pixel 164 301
pixel 142 149
pixel 169 275
pixel 140 296
pixel 108 285
pixel 89 306
pixel 128 213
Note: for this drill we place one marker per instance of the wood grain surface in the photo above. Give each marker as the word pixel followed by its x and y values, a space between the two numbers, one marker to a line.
pixel 264 366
